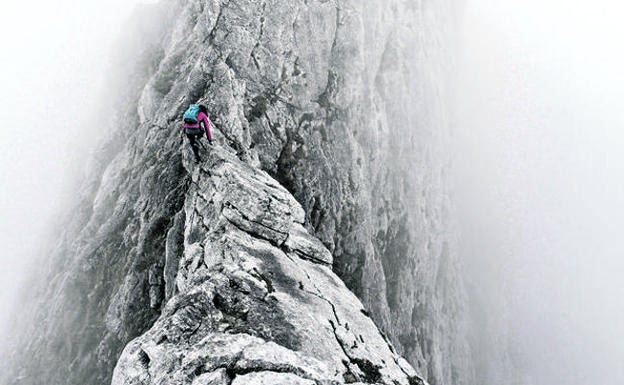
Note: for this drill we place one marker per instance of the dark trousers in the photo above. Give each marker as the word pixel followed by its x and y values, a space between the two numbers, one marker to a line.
pixel 194 140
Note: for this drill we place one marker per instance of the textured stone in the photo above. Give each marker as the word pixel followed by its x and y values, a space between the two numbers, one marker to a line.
pixel 271 378
pixel 329 168
pixel 218 377
pixel 306 246
pixel 249 305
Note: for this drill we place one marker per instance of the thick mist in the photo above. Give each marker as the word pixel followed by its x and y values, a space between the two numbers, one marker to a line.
pixel 55 62
pixel 537 149
pixel 539 156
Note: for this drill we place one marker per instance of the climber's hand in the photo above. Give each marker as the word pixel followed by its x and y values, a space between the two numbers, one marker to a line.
pixel 210 141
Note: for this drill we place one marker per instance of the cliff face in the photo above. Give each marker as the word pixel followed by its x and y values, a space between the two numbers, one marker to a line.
pixel 328 168
pixel 257 302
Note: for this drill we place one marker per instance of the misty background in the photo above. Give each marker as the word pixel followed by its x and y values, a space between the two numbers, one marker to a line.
pixel 56 58
pixel 539 139
pixel 537 145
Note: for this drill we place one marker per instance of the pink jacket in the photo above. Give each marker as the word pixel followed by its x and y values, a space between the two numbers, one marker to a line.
pixel 202 118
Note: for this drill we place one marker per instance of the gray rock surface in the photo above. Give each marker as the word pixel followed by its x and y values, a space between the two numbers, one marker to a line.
pixel 251 306
pixel 330 168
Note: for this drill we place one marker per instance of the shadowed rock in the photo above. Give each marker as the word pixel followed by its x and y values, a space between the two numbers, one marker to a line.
pixel 331 163
pixel 264 313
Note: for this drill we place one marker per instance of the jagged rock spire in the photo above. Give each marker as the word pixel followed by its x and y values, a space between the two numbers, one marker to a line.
pixel 258 302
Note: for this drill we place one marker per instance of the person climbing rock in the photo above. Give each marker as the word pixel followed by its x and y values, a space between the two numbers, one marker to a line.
pixel 194 116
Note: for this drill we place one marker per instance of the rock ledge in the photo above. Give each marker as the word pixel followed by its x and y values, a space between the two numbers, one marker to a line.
pixel 257 301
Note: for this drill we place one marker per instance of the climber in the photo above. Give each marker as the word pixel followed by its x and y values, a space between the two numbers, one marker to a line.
pixel 193 117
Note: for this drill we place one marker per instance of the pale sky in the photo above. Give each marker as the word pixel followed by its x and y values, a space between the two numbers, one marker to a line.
pixel 53 64
pixel 540 145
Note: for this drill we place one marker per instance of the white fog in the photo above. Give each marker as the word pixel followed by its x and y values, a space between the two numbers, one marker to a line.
pixel 54 64
pixel 539 128
pixel 537 149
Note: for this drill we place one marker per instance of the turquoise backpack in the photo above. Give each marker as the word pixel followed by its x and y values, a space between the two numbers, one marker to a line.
pixel 190 116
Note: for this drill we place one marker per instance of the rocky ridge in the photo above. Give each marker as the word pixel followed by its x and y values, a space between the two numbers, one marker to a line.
pixel 331 132
pixel 257 301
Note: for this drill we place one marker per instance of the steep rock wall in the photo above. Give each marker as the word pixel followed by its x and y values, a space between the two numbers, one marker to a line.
pixel 257 302
pixel 339 101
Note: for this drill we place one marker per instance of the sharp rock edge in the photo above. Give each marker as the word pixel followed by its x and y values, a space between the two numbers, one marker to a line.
pixel 321 212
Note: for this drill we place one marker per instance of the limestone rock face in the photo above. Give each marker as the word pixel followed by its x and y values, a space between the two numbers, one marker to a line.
pixel 318 220
pixel 249 309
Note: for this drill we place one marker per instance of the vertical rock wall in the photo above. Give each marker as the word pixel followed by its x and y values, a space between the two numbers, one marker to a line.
pixel 342 103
